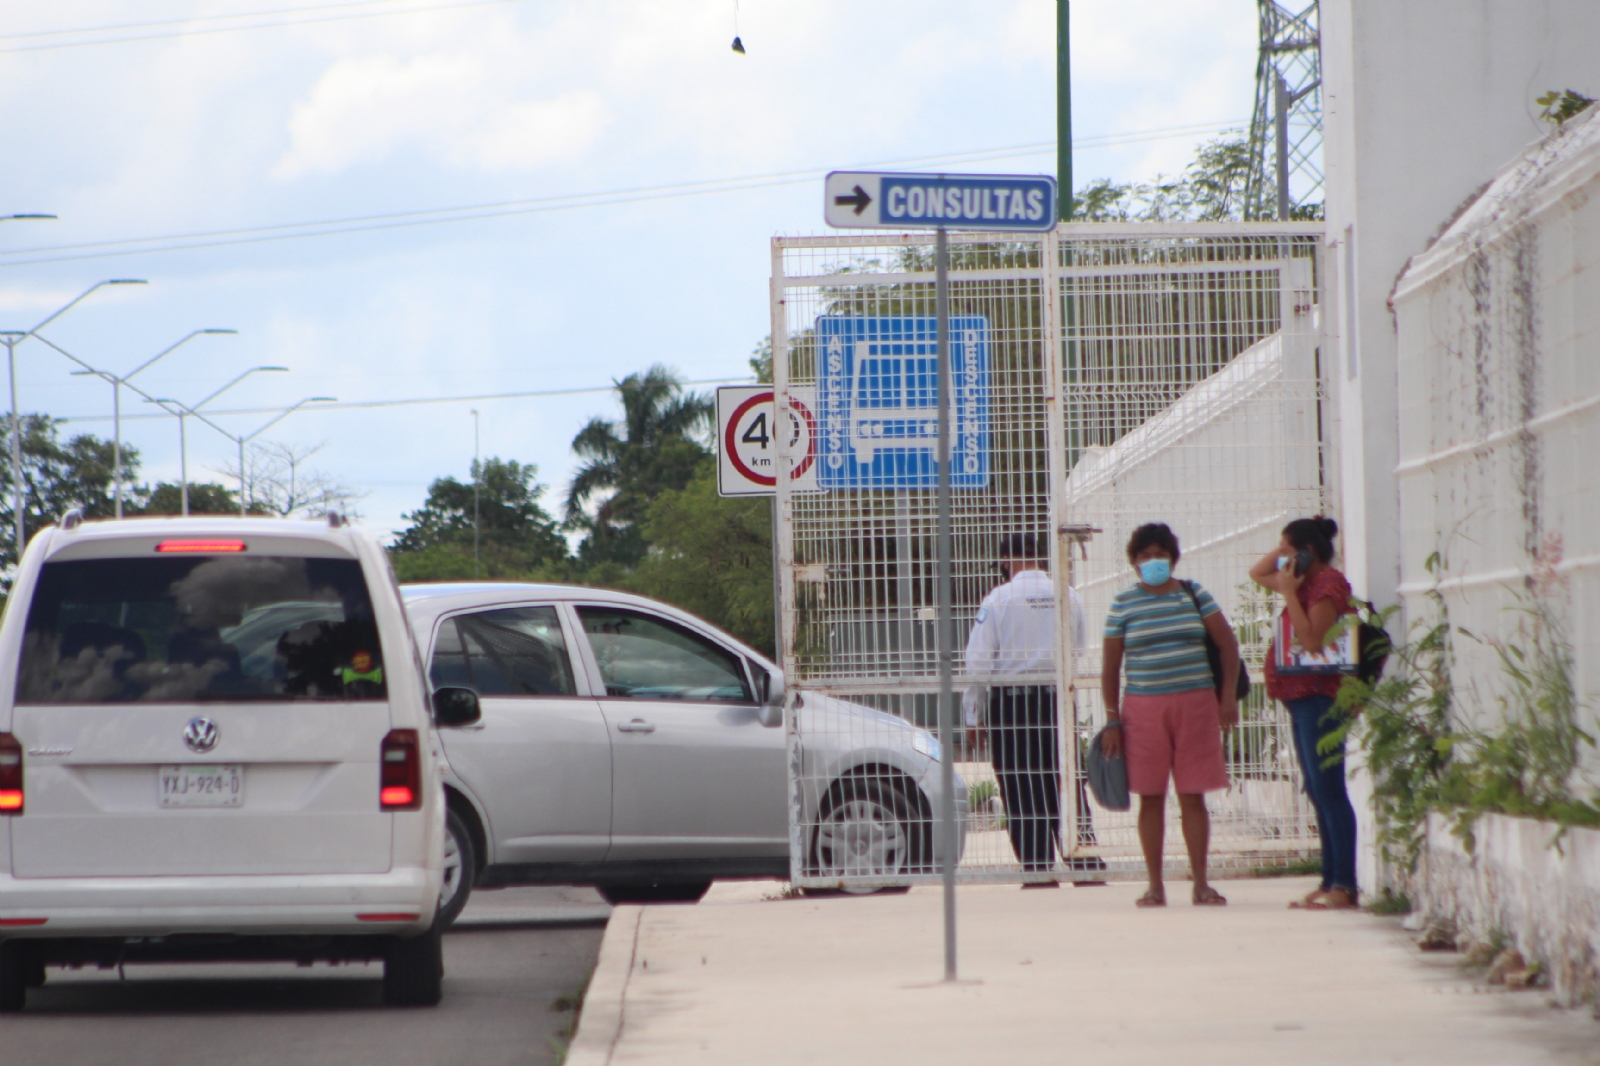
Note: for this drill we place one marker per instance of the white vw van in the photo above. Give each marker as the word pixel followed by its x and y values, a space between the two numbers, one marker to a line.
pixel 215 745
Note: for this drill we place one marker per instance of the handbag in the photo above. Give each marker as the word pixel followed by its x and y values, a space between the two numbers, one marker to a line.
pixel 1108 776
pixel 1241 688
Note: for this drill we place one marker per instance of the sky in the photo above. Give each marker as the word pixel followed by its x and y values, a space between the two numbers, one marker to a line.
pixel 187 144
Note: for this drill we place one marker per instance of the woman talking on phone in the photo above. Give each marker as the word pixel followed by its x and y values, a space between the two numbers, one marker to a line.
pixel 1315 595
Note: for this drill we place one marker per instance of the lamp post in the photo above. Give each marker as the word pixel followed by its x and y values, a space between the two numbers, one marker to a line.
pixel 248 437
pixel 183 411
pixel 11 339
pixel 116 398
pixel 477 476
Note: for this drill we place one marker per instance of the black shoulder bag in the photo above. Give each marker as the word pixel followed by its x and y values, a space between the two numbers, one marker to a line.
pixel 1214 653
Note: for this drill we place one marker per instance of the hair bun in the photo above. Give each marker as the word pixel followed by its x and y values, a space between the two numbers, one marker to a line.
pixel 1329 527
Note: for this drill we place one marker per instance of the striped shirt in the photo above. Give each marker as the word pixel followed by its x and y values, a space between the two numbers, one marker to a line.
pixel 1163 639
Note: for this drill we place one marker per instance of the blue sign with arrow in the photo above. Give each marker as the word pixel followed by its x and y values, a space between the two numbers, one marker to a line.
pixel 877 402
pixel 858 199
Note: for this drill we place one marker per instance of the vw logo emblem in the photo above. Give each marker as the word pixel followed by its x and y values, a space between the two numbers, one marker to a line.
pixel 201 735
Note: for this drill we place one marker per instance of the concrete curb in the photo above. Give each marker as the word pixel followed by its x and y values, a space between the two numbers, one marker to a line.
pixel 604 1005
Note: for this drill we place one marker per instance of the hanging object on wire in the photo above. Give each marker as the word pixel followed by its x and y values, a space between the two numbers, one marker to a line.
pixel 738 45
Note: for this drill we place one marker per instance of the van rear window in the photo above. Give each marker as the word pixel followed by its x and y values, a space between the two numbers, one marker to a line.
pixel 186 628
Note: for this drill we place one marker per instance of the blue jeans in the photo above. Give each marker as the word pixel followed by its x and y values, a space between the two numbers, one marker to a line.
pixel 1336 818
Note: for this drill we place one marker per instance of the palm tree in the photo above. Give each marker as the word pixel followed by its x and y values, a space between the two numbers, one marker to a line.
pixel 627 464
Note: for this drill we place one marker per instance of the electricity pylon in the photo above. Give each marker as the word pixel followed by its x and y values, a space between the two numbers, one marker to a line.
pixel 1286 129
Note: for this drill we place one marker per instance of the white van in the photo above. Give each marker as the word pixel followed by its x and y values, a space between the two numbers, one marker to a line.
pixel 215 745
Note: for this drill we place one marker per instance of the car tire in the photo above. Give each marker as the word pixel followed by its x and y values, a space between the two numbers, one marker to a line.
pixel 13 977
pixel 868 827
pixel 460 869
pixel 413 970
pixel 663 892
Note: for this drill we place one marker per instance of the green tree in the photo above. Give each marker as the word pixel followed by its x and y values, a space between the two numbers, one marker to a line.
pixel 519 538
pixel 1211 189
pixel 656 447
pixel 58 476
pixel 206 497
pixel 713 556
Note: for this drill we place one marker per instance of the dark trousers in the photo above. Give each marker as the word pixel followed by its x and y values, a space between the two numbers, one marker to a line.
pixel 1027 759
pixel 1336 818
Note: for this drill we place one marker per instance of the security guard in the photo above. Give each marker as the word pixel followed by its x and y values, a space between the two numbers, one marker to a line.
pixel 1015 634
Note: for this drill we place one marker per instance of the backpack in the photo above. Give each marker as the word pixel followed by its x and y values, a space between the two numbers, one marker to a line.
pixel 1214 654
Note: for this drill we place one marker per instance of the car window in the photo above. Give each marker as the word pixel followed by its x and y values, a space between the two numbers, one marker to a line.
pixel 235 627
pixel 517 651
pixel 645 657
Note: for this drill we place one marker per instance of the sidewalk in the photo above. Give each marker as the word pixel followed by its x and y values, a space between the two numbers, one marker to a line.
pixel 1077 974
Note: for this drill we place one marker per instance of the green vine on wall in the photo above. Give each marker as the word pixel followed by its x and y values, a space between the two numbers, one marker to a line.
pixel 1423 756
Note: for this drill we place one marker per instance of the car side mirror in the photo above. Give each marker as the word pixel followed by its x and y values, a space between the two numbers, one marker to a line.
pixel 454 707
pixel 769 694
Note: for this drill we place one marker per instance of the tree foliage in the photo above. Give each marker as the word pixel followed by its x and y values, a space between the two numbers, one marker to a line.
pixel 519 538
pixel 713 556
pixel 1210 189
pixel 656 447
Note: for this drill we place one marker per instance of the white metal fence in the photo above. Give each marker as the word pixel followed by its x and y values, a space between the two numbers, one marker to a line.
pixel 1104 376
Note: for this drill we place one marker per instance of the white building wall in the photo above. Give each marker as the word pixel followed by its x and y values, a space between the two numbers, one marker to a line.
pixel 1424 101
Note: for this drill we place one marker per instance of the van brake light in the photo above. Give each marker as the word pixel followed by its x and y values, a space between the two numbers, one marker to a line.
pixel 11 795
pixel 207 547
pixel 400 771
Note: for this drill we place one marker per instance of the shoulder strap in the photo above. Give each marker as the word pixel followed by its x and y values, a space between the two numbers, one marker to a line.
pixel 1188 586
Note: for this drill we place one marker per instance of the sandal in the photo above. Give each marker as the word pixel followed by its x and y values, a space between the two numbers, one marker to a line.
pixel 1209 897
pixel 1335 899
pixel 1312 900
pixel 1155 897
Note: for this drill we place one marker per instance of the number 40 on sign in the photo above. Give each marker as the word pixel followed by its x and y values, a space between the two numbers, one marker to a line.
pixel 754 442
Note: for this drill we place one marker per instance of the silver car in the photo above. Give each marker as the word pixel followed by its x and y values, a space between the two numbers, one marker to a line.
pixel 631 746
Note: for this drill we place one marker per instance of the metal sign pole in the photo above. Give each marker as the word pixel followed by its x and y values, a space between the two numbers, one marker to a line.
pixel 946 627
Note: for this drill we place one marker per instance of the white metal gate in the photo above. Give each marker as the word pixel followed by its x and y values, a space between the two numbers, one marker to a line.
pixel 1172 376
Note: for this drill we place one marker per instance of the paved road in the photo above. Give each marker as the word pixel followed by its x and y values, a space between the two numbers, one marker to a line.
pixel 527 948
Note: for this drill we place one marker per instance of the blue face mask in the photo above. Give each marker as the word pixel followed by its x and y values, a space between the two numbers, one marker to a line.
pixel 1155 571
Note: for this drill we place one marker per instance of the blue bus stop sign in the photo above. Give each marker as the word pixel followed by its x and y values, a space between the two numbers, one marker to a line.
pixel 877 402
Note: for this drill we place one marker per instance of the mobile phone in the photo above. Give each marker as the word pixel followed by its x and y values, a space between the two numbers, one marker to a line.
pixel 1302 562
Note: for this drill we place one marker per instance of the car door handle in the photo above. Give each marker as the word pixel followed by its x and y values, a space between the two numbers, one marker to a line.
pixel 638 725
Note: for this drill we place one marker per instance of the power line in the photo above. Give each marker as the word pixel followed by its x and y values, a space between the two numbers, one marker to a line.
pixel 231 29
pixel 414 401
pixel 572 201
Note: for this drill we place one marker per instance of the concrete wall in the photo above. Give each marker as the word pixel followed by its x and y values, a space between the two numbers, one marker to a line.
pixel 1522 883
pixel 1425 101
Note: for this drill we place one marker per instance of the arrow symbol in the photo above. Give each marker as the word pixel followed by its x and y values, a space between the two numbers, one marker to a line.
pixel 860 200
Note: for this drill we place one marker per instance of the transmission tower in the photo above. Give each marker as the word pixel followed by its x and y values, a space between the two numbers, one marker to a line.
pixel 1286 128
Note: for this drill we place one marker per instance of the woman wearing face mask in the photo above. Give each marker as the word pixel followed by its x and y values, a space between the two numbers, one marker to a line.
pixel 1315 595
pixel 1170 722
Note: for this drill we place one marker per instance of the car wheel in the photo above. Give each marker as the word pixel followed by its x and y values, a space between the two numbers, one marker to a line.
pixel 666 892
pixel 413 970
pixel 866 829
pixel 13 977
pixel 460 869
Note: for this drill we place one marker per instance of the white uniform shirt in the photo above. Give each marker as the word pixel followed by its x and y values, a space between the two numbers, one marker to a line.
pixel 1015 633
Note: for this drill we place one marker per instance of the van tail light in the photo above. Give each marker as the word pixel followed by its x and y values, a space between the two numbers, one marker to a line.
pixel 400 771
pixel 10 774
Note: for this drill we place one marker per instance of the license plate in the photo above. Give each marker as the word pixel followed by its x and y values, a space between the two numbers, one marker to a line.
pixel 202 786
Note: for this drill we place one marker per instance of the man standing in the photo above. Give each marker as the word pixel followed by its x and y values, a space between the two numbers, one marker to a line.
pixel 1014 635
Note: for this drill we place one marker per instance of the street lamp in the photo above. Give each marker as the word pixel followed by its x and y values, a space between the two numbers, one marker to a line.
pixel 116 397
pixel 185 410
pixel 11 339
pixel 248 437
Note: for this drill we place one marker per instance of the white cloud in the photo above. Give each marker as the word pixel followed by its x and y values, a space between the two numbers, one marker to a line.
pixel 366 109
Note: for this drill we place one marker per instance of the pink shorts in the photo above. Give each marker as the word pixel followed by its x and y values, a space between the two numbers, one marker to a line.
pixel 1176 734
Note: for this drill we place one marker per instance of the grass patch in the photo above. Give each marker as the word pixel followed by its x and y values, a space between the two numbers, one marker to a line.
pixel 1297 868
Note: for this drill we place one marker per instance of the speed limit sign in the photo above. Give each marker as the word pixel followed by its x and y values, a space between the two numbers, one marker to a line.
pixel 755 441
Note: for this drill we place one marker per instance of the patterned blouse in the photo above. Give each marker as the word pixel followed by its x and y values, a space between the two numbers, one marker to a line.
pixel 1326 584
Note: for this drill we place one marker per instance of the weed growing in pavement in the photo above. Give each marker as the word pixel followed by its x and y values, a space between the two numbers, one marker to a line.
pixel 1389 902
pixel 786 892
pixel 570 1004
